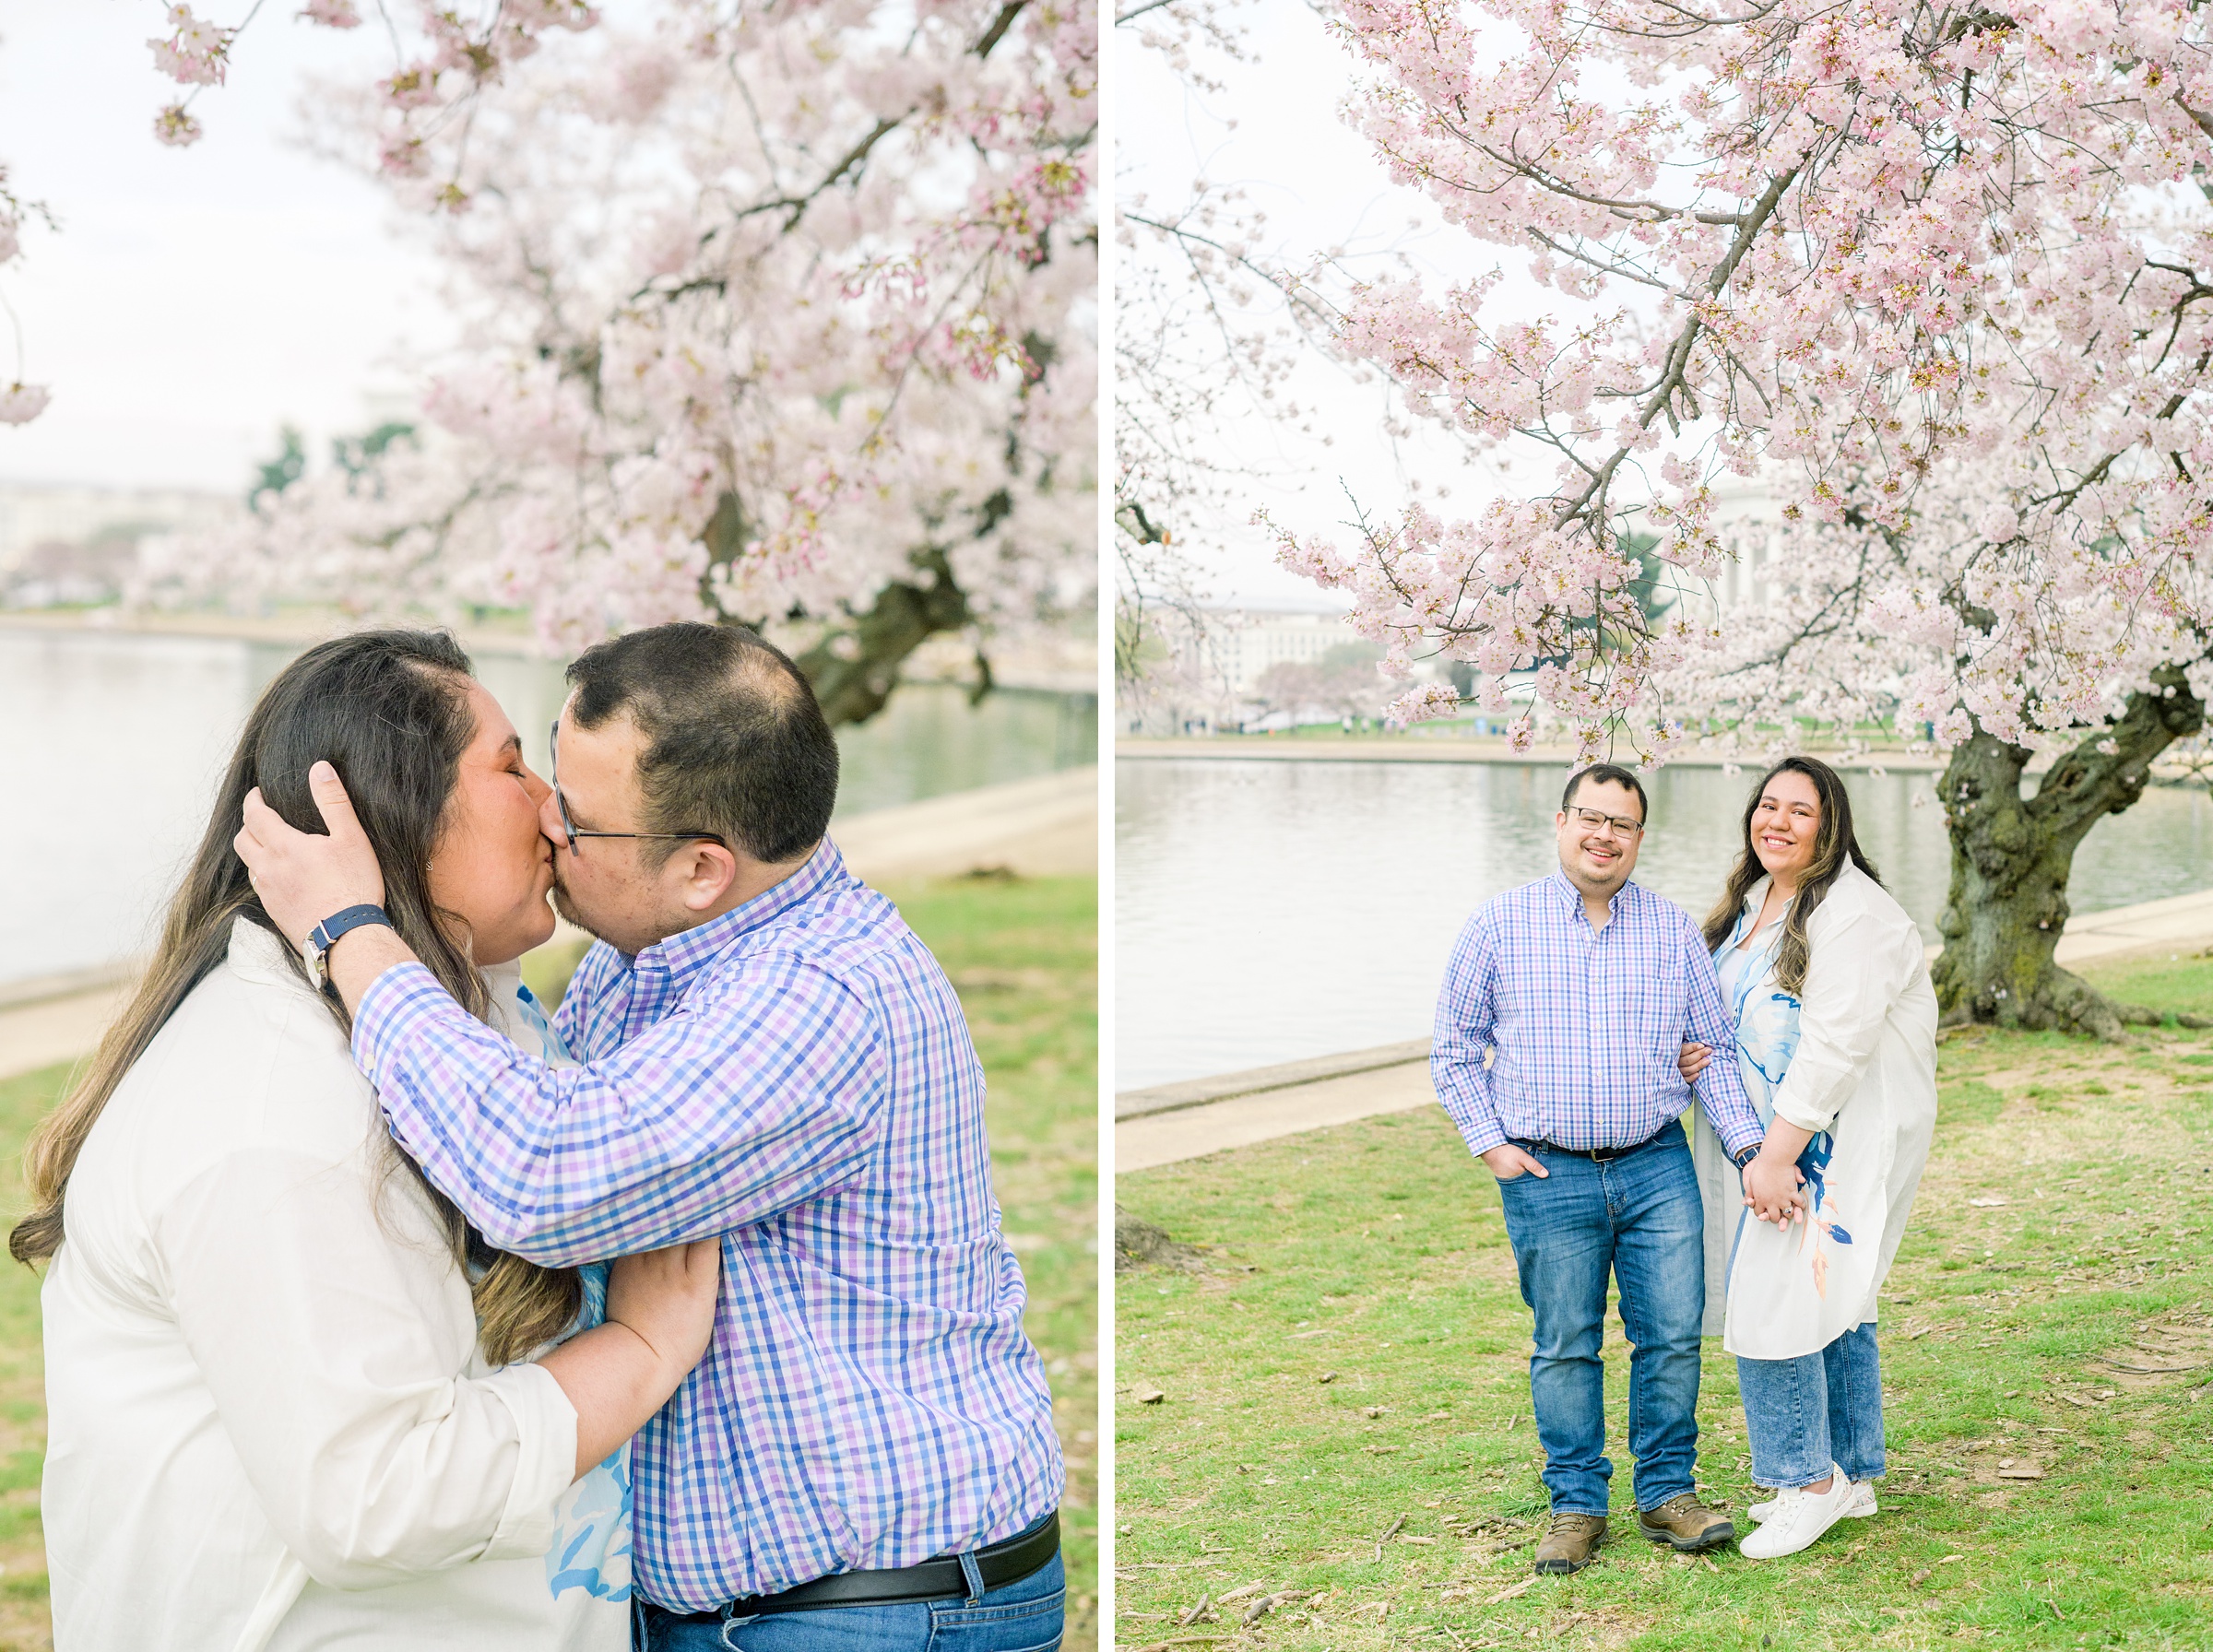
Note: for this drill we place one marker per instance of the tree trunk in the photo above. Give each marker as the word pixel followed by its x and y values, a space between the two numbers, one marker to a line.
pixel 2011 856
pixel 855 665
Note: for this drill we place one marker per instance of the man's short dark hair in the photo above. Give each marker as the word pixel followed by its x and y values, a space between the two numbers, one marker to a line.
pixel 1608 774
pixel 735 743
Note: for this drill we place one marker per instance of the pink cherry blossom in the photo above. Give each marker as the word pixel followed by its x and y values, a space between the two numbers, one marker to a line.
pixel 766 313
pixel 1908 311
pixel 20 403
pixel 177 128
pixel 196 52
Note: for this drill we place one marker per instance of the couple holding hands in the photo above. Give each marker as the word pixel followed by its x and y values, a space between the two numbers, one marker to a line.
pixel 1577 1015
pixel 385 1310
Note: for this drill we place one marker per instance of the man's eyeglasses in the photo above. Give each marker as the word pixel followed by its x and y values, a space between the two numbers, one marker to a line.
pixel 570 828
pixel 1593 818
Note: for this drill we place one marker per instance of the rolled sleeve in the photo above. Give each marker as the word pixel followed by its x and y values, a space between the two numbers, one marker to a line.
pixel 1460 1040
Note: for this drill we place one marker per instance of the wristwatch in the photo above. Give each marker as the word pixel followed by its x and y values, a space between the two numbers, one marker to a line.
pixel 324 936
pixel 1747 1157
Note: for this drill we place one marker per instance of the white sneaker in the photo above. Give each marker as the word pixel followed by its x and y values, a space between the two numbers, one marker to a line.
pixel 1798 1517
pixel 1862 1505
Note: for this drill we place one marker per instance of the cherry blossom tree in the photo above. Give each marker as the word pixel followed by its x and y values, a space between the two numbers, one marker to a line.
pixel 1929 279
pixel 783 316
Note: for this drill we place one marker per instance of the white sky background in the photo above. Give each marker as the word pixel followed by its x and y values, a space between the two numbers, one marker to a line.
pixel 195 299
pixel 1321 188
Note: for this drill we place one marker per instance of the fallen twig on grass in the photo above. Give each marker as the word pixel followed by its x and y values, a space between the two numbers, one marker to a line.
pixel 2158 1370
pixel 1199 1613
pixel 1389 1532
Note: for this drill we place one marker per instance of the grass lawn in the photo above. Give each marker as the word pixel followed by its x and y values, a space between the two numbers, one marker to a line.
pixel 1025 958
pixel 1342 1426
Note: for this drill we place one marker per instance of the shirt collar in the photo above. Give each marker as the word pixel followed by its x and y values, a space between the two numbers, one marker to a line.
pixel 1572 897
pixel 683 954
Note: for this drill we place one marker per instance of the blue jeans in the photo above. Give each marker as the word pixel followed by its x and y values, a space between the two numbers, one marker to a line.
pixel 1023 1616
pixel 1806 1413
pixel 1640 1219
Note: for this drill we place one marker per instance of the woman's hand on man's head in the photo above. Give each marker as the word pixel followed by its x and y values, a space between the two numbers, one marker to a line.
pixel 301 877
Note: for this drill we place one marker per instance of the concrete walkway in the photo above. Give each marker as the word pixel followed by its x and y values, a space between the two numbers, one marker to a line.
pixel 1045 827
pixel 1189 1120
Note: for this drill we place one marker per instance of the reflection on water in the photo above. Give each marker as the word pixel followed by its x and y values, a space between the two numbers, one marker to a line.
pixel 1266 912
pixel 112 745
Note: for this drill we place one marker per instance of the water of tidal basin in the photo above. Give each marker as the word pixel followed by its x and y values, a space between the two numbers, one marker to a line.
pixel 111 746
pixel 1266 912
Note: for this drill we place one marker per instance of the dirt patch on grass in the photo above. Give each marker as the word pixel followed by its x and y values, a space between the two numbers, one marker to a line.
pixel 1141 1245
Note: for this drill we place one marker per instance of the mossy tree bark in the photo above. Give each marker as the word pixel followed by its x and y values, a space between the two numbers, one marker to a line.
pixel 856 664
pixel 2011 856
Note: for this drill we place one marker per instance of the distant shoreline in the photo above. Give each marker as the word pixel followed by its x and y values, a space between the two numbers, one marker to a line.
pixel 302 630
pixel 1417 749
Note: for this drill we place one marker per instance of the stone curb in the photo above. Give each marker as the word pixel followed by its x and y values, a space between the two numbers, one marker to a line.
pixel 1288 1074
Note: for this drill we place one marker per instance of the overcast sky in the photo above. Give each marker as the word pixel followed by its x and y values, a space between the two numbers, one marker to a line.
pixel 195 299
pixel 1276 129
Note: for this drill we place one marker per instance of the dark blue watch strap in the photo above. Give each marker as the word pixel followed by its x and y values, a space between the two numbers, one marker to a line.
pixel 326 933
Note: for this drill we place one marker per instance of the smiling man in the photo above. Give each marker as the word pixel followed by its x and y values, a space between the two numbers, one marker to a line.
pixel 1579 991
pixel 866 1456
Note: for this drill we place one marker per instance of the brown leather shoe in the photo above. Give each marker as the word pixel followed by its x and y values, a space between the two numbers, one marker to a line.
pixel 1572 1541
pixel 1687 1524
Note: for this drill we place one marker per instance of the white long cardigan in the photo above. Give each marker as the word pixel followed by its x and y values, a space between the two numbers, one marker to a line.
pixel 1865 1071
pixel 269 1423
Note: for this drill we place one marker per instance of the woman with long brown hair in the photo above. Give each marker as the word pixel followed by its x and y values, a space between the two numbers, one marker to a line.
pixel 1836 1041
pixel 293 1400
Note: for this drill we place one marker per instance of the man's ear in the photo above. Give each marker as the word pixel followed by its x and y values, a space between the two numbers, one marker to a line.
pixel 708 870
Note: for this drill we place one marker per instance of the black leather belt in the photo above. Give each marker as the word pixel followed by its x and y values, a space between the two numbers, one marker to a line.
pixel 1008 1561
pixel 1597 1155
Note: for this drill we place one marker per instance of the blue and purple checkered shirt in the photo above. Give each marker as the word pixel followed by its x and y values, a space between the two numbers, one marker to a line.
pixel 1587 1025
pixel 797 1076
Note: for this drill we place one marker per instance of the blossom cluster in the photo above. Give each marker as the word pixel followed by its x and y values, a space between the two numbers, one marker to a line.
pixel 740 342
pixel 196 52
pixel 1928 287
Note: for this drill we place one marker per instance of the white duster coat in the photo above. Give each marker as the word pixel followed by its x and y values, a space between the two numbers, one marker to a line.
pixel 270 1425
pixel 1862 1076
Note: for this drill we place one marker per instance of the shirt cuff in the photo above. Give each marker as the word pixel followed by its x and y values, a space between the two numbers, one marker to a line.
pixel 390 1009
pixel 1481 1131
pixel 1738 1131
pixel 545 1423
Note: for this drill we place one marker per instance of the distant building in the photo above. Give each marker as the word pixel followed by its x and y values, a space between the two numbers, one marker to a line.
pixel 1237 645
pixel 63 544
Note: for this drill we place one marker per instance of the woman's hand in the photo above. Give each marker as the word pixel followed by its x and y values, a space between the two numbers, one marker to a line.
pixel 1772 1185
pixel 1692 1061
pixel 661 1312
pixel 668 1298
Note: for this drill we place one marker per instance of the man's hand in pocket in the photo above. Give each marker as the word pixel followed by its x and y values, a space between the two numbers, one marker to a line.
pixel 1508 1162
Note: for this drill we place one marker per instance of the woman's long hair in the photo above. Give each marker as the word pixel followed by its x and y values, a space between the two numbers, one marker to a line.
pixel 1834 844
pixel 389 709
